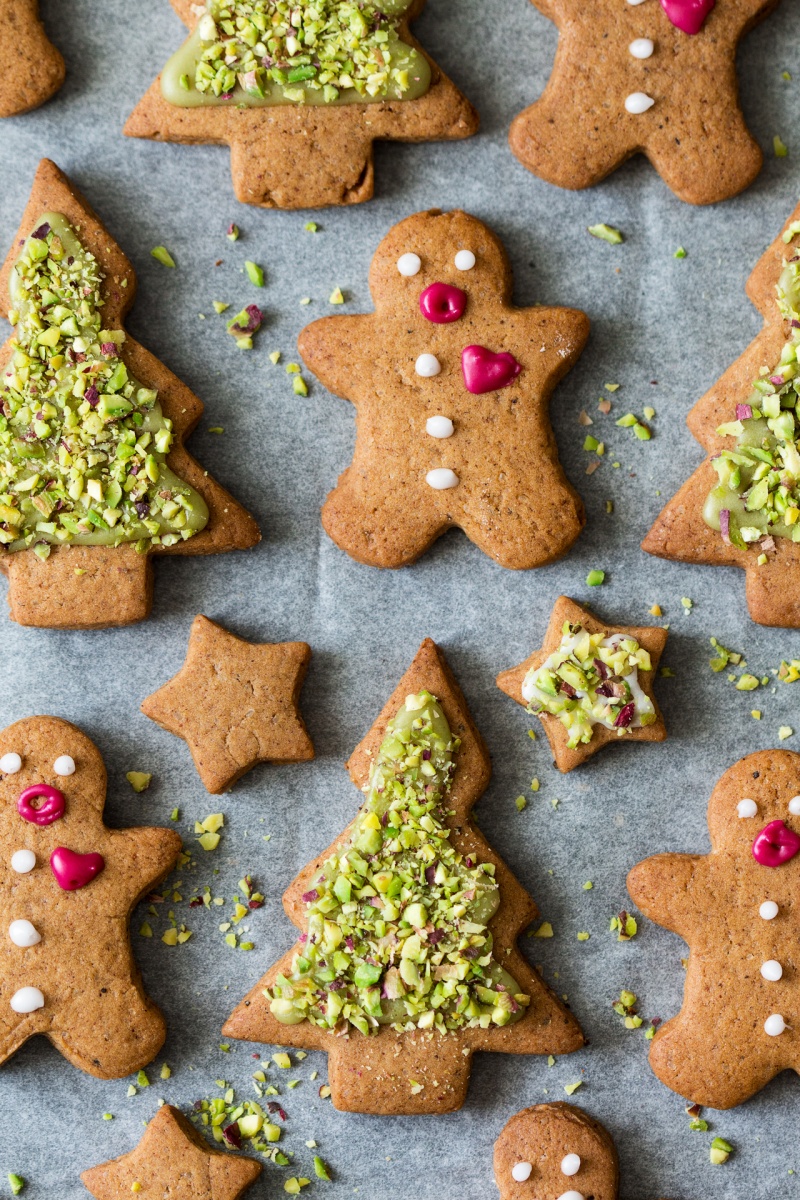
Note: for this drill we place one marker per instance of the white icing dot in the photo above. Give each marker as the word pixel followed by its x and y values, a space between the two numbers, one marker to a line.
pixel 10 764
pixel 441 479
pixel 638 103
pixel 427 365
pixel 464 260
pixel 27 1000
pixel 439 427
pixel 570 1164
pixel 633 3
pixel 521 1171
pixel 794 805
pixel 775 1025
pixel 571 1196
pixel 64 765
pixel 409 264
pixel 642 48
pixel 768 910
pixel 747 808
pixel 207 28
pixel 772 970
pixel 22 933
pixel 23 861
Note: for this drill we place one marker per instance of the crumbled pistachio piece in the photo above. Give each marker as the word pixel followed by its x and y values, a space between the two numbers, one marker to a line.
pixel 595 578
pixel 624 925
pixel 16 1183
pixel 255 273
pixel 232 233
pixel 139 780
pixel 720 1151
pixel 336 296
pixel 220 306
pixel 321 1170
pixel 299 386
pixel 571 1088
pixel 162 255
pixel 545 930
pixel 779 146
pixel 606 233
pixel 311 227
pixel 521 803
pixel 679 253
pixel 785 732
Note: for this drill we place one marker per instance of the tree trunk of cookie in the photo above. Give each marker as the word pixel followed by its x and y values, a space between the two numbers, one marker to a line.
pixel 313 165
pixel 408 1075
pixel 79 587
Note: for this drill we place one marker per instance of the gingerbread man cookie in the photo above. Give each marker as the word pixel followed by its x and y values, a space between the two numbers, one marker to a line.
pixel 235 704
pixel 94 477
pixel 737 908
pixel 451 385
pixel 173 1160
pixel 300 92
pixel 68 887
pixel 656 77
pixel 407 960
pixel 31 69
pixel 591 684
pixel 741 507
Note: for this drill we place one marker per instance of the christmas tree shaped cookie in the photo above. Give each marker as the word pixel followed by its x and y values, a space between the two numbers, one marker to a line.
pixel 31 69
pixel 300 92
pixel 69 885
pixel 407 962
pixel 94 477
pixel 737 908
pixel 451 386
pixel 172 1160
pixel 741 508
pixel 656 77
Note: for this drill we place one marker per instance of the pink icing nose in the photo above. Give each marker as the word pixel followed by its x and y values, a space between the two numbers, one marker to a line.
pixel 51 808
pixel 776 845
pixel 485 371
pixel 688 15
pixel 73 871
pixel 442 303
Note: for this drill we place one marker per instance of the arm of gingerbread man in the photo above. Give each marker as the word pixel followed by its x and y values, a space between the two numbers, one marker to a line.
pixel 662 888
pixel 146 855
pixel 335 349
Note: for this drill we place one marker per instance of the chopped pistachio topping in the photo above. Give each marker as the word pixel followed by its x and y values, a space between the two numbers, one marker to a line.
pixel 83 445
pixel 591 679
pixel 398 917
pixel 606 233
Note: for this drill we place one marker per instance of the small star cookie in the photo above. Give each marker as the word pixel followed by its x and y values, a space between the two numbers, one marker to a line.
pixel 31 69
pixel 451 385
pixel 737 908
pixel 656 77
pixel 591 684
pixel 235 704
pixel 68 885
pixel 173 1160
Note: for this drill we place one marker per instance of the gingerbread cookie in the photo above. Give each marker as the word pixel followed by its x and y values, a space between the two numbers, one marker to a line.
pixel 31 69
pixel 451 385
pixel 407 961
pixel 591 684
pixel 300 93
pixel 555 1152
pixel 235 704
pixel 69 886
pixel 656 78
pixel 741 507
pixel 173 1160
pixel 737 908
pixel 94 477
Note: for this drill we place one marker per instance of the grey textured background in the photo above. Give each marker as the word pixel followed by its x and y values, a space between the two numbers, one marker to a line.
pixel 654 318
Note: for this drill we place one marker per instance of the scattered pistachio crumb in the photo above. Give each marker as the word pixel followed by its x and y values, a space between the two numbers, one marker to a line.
pixel 785 732
pixel 571 1088
pixel 780 147
pixel 720 1151
pixel 551 1062
pixel 275 357
pixel 679 253
pixel 162 255
pixel 108 1116
pixel 305 300
pixel 16 1183
pixel 606 233
pixel 755 713
pixel 545 930
pixel 311 227
pixel 299 386
pixel 255 273
pixel 535 785
pixel 521 803
pixel 587 887
pixel 175 814
pixel 595 578
pixel 687 603
pixel 655 610
pixel 233 233
pixel 583 936
pixel 219 307
pixel 336 296
pixel 139 780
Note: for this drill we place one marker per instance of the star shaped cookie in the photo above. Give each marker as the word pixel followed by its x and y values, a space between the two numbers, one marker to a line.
pixel 420 1071
pixel 737 909
pixel 174 1160
pixel 629 77
pixel 451 386
pixel 68 885
pixel 235 703
pixel 302 155
pixel 31 69
pixel 772 586
pixel 650 638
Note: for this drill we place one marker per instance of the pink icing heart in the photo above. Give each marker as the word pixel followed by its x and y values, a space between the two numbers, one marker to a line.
pixel 688 15
pixel 73 870
pixel 442 303
pixel 776 845
pixel 485 371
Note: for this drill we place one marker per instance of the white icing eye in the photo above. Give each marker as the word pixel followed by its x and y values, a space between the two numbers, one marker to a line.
pixel 571 1196
pixel 768 910
pixel 439 427
pixel 23 933
pixel 23 861
pixel 427 365
pixel 409 264
pixel 64 765
pixel 570 1164
pixel 441 479
pixel 10 763
pixel 642 48
pixel 638 103
pixel 775 1025
pixel 772 970
pixel 27 1000
pixel 747 808
pixel 521 1171
pixel 794 805
pixel 464 260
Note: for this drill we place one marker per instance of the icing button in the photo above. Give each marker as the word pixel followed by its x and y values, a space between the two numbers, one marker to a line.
pixel 571 1196
pixel 64 765
pixel 409 264
pixel 442 303
pixel 441 479
pixel 775 1025
pixel 521 1171
pixel 776 845
pixel 23 861
pixel 768 910
pixel 747 808
pixel 570 1164
pixel 638 103
pixel 51 809
pixel 772 970
pixel 642 48
pixel 72 870
pixel 427 365
pixel 464 260
pixel 10 764
pixel 27 1000
pixel 439 427
pixel 24 934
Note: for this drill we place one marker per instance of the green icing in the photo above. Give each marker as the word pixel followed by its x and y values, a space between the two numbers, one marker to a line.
pixel 264 52
pixel 397 918
pixel 759 479
pixel 83 444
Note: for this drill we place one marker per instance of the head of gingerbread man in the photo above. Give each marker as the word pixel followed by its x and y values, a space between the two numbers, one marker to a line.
pixel 555 1152
pixel 754 811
